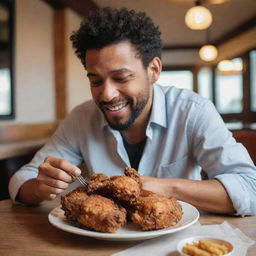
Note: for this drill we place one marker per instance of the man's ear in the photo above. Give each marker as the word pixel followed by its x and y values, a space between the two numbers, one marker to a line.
pixel 154 69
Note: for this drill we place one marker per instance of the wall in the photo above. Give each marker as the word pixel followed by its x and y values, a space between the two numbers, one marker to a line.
pixel 34 76
pixel 78 89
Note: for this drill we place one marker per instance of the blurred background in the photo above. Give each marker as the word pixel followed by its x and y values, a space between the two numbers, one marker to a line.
pixel 41 79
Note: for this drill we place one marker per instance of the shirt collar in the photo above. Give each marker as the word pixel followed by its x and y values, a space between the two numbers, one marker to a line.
pixel 158 112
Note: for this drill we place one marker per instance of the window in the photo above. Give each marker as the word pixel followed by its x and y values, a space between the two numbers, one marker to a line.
pixel 6 51
pixel 205 82
pixel 180 79
pixel 229 88
pixel 252 64
pixel 5 92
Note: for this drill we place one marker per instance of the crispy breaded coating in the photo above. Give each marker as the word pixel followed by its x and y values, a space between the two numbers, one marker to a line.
pixel 124 188
pixel 71 202
pixel 153 211
pixel 102 214
pixel 130 172
pixel 97 183
pixel 108 202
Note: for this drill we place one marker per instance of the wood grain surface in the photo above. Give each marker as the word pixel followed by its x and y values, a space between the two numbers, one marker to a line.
pixel 26 231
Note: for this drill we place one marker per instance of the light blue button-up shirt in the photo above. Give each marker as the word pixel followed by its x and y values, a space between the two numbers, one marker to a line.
pixel 185 134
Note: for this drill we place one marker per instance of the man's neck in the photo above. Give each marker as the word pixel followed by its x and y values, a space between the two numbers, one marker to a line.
pixel 135 134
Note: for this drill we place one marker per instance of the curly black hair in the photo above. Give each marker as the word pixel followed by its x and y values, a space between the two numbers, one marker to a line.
pixel 106 26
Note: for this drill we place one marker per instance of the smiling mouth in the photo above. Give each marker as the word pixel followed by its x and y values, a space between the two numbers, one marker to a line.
pixel 116 107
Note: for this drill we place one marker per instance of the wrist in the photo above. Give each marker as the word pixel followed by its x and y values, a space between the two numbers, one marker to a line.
pixel 172 187
pixel 28 193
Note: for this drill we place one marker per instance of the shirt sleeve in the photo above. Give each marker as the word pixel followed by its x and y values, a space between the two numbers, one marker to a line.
pixel 222 158
pixel 63 144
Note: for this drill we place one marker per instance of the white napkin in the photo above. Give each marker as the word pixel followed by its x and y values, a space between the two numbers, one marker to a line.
pixel 166 245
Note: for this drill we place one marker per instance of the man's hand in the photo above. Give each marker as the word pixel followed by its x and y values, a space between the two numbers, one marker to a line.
pixel 54 176
pixel 161 186
pixel 207 195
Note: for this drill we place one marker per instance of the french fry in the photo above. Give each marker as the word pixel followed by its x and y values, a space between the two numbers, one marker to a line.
pixel 215 248
pixel 193 250
pixel 205 248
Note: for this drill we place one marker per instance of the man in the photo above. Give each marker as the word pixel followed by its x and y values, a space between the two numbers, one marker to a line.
pixel 169 135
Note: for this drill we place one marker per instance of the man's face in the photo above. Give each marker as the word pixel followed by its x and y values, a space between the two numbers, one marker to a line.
pixel 120 85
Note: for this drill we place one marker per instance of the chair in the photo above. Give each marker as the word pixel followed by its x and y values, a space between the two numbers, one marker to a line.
pixel 248 139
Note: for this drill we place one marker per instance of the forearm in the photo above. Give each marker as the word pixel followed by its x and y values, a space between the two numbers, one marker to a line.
pixel 208 195
pixel 27 193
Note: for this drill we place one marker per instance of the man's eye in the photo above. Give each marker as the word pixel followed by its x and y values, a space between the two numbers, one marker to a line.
pixel 121 79
pixel 95 83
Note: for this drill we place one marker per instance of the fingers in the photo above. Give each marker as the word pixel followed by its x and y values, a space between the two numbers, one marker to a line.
pixel 45 192
pixel 46 170
pixel 64 165
pixel 55 183
pixel 54 177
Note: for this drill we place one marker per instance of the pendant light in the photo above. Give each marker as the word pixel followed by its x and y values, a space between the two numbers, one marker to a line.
pixel 198 17
pixel 208 52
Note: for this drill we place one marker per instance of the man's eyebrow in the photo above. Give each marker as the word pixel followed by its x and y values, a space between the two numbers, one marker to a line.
pixel 121 70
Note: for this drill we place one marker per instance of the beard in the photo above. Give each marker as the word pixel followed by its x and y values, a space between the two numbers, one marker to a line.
pixel 136 110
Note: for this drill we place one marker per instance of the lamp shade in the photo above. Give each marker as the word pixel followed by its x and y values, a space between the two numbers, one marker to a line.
pixel 208 52
pixel 198 18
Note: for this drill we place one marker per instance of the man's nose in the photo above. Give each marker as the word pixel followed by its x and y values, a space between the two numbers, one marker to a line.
pixel 109 91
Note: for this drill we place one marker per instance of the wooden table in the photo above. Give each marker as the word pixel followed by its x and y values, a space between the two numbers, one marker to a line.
pixel 26 231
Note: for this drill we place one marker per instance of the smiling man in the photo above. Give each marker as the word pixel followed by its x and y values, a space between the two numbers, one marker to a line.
pixel 169 135
pixel 115 72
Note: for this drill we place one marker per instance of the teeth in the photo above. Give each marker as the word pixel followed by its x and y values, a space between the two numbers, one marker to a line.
pixel 116 108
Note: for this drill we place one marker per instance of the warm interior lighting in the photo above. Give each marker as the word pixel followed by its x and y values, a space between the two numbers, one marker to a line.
pixel 229 67
pixel 208 52
pixel 198 17
pixel 218 1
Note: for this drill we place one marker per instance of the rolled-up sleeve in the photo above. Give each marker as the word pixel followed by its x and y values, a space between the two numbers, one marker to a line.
pixel 222 158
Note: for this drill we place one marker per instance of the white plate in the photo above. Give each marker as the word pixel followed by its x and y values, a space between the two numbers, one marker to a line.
pixel 129 231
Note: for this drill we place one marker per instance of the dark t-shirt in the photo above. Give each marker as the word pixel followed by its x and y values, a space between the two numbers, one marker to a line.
pixel 134 152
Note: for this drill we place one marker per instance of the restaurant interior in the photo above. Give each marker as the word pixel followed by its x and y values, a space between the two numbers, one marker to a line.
pixel 41 79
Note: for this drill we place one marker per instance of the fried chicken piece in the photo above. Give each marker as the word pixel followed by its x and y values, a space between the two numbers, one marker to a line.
pixel 130 172
pixel 98 183
pixel 153 211
pixel 102 214
pixel 125 188
pixel 71 203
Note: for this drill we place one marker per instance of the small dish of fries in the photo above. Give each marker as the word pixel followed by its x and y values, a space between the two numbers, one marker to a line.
pixel 205 246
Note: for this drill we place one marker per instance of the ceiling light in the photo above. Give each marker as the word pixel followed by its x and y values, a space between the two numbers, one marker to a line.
pixel 217 1
pixel 208 52
pixel 230 65
pixel 198 17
